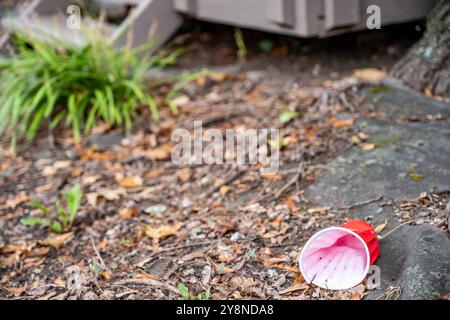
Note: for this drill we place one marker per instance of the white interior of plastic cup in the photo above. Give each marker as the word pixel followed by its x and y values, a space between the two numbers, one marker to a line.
pixel 335 258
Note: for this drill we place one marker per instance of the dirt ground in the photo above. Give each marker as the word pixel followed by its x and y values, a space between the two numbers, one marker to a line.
pixel 225 232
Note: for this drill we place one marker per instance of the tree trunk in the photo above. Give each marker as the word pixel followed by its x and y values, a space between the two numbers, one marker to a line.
pixel 426 67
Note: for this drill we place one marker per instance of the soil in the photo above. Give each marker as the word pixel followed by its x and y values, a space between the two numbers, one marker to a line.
pixel 147 225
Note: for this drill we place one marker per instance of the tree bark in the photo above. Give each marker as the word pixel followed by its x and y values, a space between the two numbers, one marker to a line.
pixel 426 66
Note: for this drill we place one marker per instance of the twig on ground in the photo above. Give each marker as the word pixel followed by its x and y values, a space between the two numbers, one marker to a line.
pixel 288 244
pixel 360 204
pixel 298 175
pixel 178 266
pixel 149 282
pixel 381 237
pixel 295 179
pixel 259 196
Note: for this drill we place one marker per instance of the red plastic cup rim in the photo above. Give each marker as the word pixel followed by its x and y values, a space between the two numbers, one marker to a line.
pixel 315 236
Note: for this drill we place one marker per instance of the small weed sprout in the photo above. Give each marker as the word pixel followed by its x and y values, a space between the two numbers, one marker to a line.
pixel 62 218
pixel 186 295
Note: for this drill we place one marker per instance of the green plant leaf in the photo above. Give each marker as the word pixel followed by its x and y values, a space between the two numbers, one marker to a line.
pixel 184 291
pixel 73 196
pixel 206 295
pixel 55 83
pixel 173 107
pixel 288 115
pixel 38 205
pixel 95 267
pixel 154 108
pixel 56 226
pixel 61 213
pixel 31 221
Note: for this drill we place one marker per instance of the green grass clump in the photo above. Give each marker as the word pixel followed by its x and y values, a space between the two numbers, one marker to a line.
pixel 44 83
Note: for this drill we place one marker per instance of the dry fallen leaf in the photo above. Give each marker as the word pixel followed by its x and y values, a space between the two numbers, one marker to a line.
pixel 32 262
pixel 162 231
pixel 224 190
pixel 38 252
pixel 221 269
pixel 299 279
pixel 88 180
pixel 112 194
pixel 184 174
pixel 131 182
pixel 287 267
pixel 160 153
pixel 242 283
pixel 357 292
pixel 277 221
pixel 369 74
pixel 291 204
pixel 92 198
pixel 16 248
pixel 57 241
pixel 91 154
pixel 147 276
pixel 297 287
pixel 15 291
pixel 9 260
pixel 102 244
pixel 342 123
pixel 311 133
pixel 51 170
pixel 218 76
pixel 127 213
pixel 59 282
pixel 44 187
pixel 446 296
pixel 367 146
pixel 271 175
pixel 318 210
pixel 269 262
pixel 363 136
pixel 12 203
pixel 381 227
pixel 108 194
pixel 106 275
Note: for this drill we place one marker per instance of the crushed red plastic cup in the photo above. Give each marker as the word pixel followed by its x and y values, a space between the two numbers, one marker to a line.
pixel 339 258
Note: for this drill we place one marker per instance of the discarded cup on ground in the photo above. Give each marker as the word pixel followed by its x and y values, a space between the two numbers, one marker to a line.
pixel 338 258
